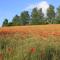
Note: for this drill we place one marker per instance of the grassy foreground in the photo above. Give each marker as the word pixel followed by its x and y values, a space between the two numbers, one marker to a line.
pixel 16 47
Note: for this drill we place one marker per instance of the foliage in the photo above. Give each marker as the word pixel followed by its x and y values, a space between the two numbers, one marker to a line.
pixel 58 15
pixel 25 17
pixel 10 24
pixel 16 20
pixel 5 23
pixel 51 13
pixel 40 16
pixel 36 17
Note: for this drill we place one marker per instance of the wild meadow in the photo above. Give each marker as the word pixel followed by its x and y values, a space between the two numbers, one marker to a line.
pixel 30 30
pixel 16 47
pixel 30 43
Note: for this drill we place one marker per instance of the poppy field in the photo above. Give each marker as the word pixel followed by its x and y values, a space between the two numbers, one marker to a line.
pixel 38 42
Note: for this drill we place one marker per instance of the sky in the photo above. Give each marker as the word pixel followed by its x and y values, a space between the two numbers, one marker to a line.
pixel 9 8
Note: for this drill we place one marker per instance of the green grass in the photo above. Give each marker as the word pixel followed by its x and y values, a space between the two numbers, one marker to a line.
pixel 17 48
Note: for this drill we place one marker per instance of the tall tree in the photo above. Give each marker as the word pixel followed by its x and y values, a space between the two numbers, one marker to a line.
pixel 25 17
pixel 5 22
pixel 34 16
pixel 58 15
pixel 51 13
pixel 58 12
pixel 40 16
pixel 16 20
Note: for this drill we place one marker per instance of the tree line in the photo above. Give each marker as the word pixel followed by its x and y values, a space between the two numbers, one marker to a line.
pixel 35 18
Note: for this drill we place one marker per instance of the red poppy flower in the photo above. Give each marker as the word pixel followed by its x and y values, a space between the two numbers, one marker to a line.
pixel 1 56
pixel 9 50
pixel 33 50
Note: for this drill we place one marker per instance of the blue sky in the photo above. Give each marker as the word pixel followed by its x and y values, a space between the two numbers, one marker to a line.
pixel 9 8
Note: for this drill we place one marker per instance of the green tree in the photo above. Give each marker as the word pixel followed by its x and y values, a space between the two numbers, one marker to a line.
pixel 58 15
pixel 5 22
pixel 34 16
pixel 25 17
pixel 16 20
pixel 40 16
pixel 58 12
pixel 51 13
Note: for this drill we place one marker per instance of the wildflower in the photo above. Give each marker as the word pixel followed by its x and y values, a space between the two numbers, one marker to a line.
pixel 9 50
pixel 33 50
pixel 1 56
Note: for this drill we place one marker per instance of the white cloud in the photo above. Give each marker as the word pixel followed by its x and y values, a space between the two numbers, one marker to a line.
pixel 43 4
